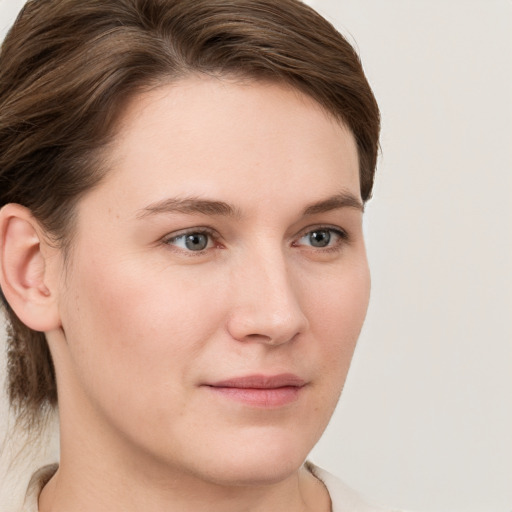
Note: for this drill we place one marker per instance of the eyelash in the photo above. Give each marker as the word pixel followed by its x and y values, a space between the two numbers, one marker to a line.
pixel 342 235
pixel 212 235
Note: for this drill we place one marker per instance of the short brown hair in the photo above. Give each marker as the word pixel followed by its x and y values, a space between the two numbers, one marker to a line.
pixel 67 68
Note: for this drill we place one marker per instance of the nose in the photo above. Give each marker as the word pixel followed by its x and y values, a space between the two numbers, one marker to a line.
pixel 266 306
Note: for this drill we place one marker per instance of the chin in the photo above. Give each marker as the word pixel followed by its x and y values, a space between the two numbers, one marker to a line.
pixel 264 462
pixel 246 473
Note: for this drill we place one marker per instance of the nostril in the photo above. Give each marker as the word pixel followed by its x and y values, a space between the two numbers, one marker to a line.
pixel 268 340
pixel 267 329
pixel 259 338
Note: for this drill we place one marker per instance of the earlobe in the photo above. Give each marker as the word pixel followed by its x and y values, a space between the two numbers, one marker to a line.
pixel 23 269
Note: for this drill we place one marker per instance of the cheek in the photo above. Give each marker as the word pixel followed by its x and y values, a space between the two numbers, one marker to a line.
pixel 337 314
pixel 346 308
pixel 135 331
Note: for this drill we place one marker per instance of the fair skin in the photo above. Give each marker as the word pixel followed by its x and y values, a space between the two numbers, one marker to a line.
pixel 204 325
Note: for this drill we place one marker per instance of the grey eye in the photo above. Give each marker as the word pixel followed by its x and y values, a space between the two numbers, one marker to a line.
pixel 196 241
pixel 319 238
pixel 323 238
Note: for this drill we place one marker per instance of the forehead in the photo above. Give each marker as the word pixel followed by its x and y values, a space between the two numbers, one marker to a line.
pixel 209 136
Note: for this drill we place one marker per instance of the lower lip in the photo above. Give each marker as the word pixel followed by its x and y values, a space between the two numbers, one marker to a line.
pixel 264 398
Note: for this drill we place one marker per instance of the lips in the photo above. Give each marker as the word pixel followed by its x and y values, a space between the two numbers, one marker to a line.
pixel 260 390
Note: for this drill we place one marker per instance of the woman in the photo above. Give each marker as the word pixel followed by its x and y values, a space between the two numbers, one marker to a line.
pixel 182 256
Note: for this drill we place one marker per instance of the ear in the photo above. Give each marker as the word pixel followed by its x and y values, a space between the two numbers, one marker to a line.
pixel 23 269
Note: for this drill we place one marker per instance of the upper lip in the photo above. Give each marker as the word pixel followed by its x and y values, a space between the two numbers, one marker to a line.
pixel 261 382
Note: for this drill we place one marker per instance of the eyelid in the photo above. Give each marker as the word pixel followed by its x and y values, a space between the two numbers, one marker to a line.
pixel 202 230
pixel 215 237
pixel 339 231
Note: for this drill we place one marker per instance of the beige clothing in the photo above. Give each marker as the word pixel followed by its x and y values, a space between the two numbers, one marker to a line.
pixel 343 498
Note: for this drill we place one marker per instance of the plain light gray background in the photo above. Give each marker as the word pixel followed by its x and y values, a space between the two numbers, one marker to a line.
pixel 425 420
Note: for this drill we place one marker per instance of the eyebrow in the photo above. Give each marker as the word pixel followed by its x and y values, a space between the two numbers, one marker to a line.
pixel 341 200
pixel 192 205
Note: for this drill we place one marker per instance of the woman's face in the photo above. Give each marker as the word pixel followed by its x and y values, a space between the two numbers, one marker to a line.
pixel 218 282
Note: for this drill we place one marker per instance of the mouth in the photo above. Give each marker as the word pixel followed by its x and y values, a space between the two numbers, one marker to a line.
pixel 260 390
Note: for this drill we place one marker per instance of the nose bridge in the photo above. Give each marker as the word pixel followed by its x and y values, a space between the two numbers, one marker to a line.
pixel 266 305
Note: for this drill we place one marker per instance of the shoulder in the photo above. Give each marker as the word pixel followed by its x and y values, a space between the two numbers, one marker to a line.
pixel 343 497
